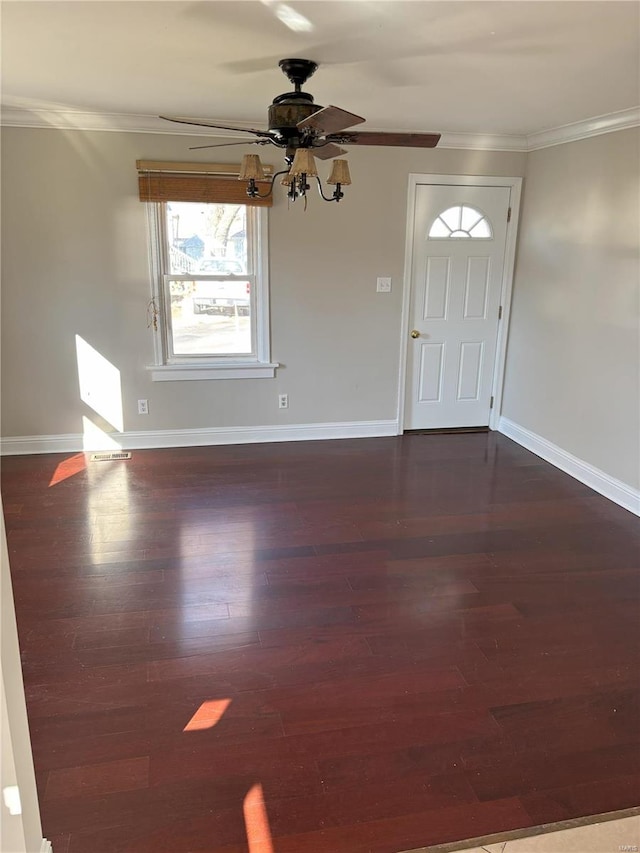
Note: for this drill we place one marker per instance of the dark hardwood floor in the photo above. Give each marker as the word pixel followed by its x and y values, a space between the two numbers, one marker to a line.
pixel 359 646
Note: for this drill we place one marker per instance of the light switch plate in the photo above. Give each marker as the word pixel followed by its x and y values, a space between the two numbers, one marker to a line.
pixel 383 285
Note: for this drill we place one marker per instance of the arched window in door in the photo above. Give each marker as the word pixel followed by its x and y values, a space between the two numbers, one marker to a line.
pixel 460 222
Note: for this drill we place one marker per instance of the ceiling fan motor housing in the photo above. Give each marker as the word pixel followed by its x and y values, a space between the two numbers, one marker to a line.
pixel 287 110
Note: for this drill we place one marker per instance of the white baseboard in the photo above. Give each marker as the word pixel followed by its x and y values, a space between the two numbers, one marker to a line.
pixel 76 442
pixel 617 491
pixel 46 847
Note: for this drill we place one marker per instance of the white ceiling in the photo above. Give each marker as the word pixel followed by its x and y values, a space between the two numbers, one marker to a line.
pixel 508 67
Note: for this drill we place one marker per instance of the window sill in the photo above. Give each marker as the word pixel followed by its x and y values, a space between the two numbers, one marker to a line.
pixel 236 370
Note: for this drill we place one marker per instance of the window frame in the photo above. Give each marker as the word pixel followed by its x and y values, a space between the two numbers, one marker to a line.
pixel 468 234
pixel 169 366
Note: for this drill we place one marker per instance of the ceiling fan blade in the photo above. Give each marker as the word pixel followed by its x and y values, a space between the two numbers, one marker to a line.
pixel 326 152
pixel 329 120
pixel 204 123
pixel 226 144
pixel 401 140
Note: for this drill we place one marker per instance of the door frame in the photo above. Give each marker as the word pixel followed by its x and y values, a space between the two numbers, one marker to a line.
pixel 515 185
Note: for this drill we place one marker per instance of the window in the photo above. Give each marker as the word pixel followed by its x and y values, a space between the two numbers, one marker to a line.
pixel 458 222
pixel 210 306
pixel 208 280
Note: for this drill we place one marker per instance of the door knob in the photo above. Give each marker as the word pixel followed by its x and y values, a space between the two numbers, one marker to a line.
pixel 415 333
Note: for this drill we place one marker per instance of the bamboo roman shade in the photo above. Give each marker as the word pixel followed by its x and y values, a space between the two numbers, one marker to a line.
pixel 199 182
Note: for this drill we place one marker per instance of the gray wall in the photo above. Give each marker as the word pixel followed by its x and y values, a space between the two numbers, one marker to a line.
pixel 574 341
pixel 75 261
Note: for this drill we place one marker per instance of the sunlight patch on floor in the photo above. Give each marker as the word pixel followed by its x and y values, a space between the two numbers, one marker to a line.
pixel 68 468
pixel 207 715
pixel 257 822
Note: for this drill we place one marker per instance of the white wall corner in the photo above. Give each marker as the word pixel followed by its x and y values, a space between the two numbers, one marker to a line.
pixel 74 443
pixel 620 493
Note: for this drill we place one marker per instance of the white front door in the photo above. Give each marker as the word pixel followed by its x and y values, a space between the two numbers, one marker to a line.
pixel 457 264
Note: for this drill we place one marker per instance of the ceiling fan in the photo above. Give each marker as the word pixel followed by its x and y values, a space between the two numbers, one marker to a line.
pixel 302 128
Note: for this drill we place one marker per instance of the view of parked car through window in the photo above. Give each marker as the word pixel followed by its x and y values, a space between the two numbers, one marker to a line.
pixel 209 280
pixel 222 297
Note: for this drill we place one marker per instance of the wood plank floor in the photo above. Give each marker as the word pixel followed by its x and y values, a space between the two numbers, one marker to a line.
pixel 359 646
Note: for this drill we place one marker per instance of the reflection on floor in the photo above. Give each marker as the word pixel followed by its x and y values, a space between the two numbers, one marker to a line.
pixel 322 647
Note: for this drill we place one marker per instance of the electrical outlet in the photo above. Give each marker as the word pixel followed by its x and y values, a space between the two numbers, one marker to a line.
pixel 143 407
pixel 383 285
pixel 283 401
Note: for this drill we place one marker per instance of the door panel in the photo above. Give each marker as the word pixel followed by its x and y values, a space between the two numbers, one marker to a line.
pixel 470 370
pixel 436 290
pixel 476 289
pixel 456 280
pixel 430 382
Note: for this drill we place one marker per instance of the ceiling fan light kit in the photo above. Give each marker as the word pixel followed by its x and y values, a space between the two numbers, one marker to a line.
pixel 305 129
pixel 295 178
pixel 303 164
pixel 251 168
pixel 340 173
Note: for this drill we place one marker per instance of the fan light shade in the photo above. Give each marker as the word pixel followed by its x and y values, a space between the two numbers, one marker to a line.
pixel 251 168
pixel 304 164
pixel 295 178
pixel 340 173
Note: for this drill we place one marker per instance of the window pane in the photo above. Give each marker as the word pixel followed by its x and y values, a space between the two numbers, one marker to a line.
pixel 207 238
pixel 211 317
pixel 469 218
pixel 462 222
pixel 481 229
pixel 452 217
pixel 439 229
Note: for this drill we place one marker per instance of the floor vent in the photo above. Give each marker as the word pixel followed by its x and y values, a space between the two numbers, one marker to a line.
pixel 109 457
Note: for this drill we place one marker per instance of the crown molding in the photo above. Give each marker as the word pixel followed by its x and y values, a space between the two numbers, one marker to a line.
pixel 595 126
pixel 118 122
pixel 483 141
pixel 132 123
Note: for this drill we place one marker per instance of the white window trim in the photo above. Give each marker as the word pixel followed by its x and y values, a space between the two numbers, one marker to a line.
pixel 258 366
